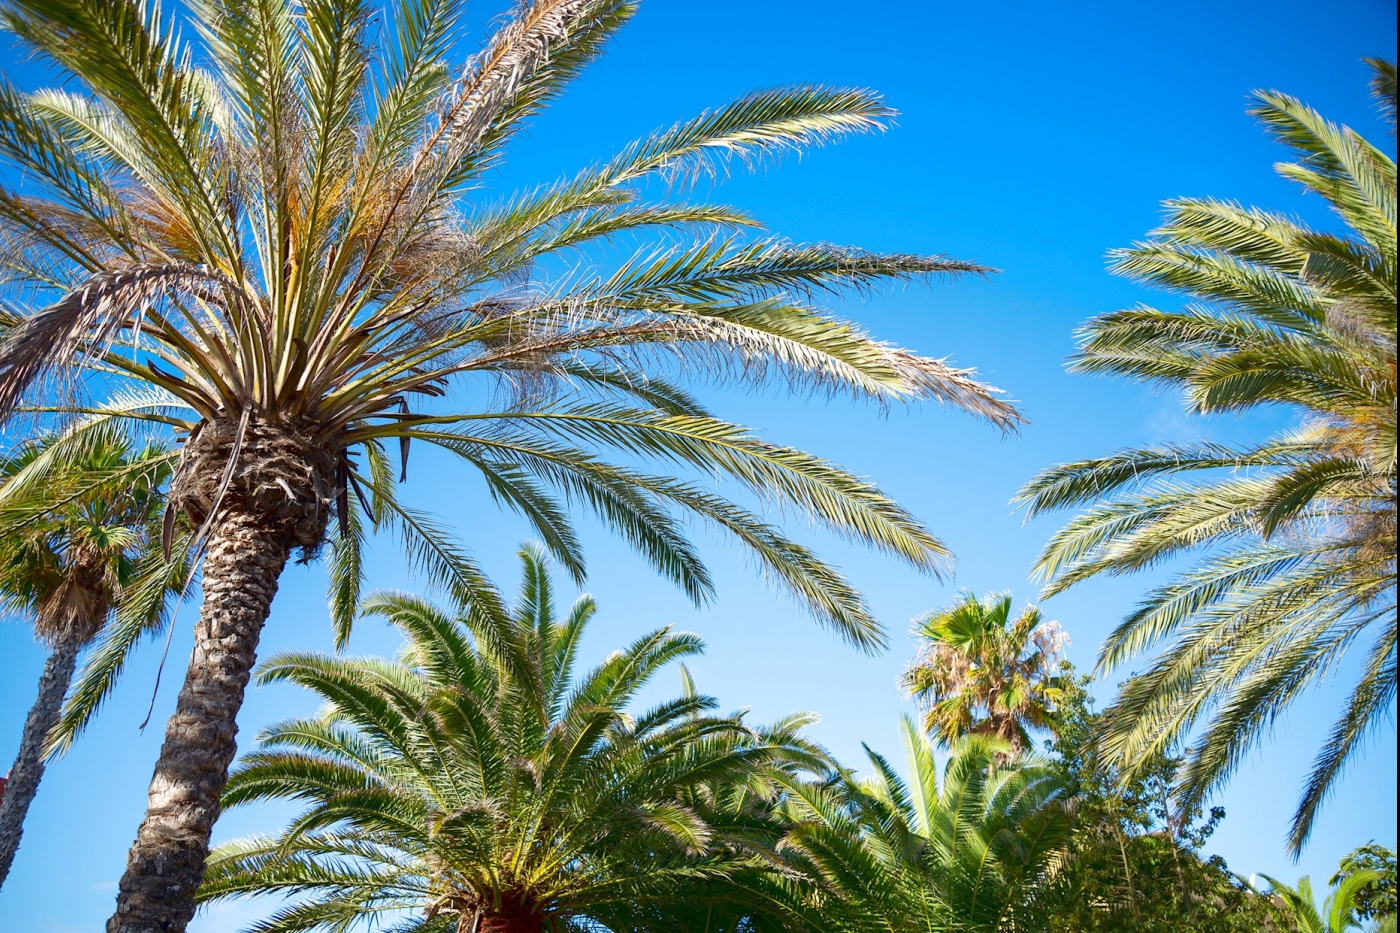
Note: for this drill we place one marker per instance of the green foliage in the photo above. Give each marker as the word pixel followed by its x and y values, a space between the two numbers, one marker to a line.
pixel 482 778
pixel 1296 537
pixel 1133 863
pixel 958 854
pixel 980 672
pixel 1376 898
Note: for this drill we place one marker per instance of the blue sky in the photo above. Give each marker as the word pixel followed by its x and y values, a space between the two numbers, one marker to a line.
pixel 1032 137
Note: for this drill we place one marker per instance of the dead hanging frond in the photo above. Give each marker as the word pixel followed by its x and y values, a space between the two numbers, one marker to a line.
pixel 88 316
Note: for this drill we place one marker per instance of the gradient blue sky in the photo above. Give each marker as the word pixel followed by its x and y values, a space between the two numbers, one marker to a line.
pixel 1032 137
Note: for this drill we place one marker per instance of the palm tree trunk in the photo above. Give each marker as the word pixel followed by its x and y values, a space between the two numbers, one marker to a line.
pixel 166 863
pixel 29 763
pixel 519 921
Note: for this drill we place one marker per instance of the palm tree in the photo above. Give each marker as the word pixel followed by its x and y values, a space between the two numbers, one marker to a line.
pixel 962 854
pixel 270 243
pixel 72 547
pixel 1337 913
pixel 980 672
pixel 481 783
pixel 1297 533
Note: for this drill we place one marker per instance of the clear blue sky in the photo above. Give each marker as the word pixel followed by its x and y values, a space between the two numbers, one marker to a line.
pixel 1033 137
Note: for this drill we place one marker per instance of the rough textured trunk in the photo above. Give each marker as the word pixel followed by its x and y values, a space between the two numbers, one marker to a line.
pixel 517 921
pixel 29 763
pixel 166 864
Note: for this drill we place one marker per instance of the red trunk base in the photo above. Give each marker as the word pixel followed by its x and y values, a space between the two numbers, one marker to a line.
pixel 509 920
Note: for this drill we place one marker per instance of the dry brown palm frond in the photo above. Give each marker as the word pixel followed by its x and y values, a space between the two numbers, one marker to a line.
pixel 467 115
pixel 87 316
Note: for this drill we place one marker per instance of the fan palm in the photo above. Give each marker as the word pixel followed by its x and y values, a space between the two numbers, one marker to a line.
pixel 480 783
pixel 83 542
pixel 264 240
pixel 962 854
pixel 1299 535
pixel 980 672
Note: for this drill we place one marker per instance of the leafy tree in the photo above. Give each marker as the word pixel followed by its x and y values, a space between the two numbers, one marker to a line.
pixel 480 783
pixel 962 854
pixel 1297 534
pixel 75 546
pixel 264 242
pixel 1375 899
pixel 980 672
pixel 1133 862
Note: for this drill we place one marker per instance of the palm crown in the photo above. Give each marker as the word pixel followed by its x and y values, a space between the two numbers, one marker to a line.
pixel 70 542
pixel 277 235
pixel 482 781
pixel 1300 537
pixel 979 671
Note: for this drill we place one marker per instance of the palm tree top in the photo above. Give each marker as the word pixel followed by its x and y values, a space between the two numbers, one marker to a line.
pixel 262 225
pixel 483 776
pixel 981 671
pixel 69 534
pixel 957 851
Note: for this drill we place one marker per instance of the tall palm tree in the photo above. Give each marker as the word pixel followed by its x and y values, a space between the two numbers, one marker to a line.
pixel 272 239
pixel 482 783
pixel 961 854
pixel 73 547
pixel 1297 534
pixel 981 672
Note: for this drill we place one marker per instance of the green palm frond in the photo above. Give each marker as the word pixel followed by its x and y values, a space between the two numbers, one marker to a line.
pixel 960 853
pixel 1297 533
pixel 1336 914
pixel 479 773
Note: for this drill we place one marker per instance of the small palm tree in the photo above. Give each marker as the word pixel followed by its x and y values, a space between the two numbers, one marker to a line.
pixel 482 784
pixel 272 242
pixel 72 547
pixel 1337 913
pixel 961 854
pixel 981 672
pixel 1298 533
